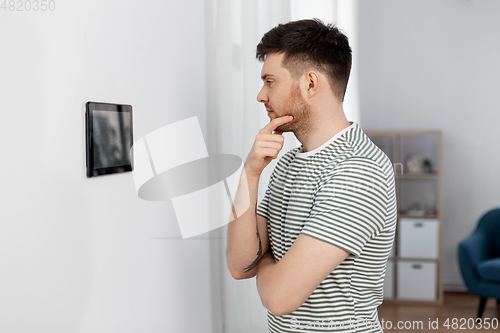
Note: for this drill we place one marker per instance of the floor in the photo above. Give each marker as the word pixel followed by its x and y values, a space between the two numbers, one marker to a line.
pixel 457 314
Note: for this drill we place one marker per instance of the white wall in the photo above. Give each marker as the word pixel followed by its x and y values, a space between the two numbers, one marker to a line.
pixel 78 254
pixel 428 64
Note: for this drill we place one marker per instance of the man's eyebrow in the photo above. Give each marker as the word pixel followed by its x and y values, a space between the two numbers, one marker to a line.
pixel 265 76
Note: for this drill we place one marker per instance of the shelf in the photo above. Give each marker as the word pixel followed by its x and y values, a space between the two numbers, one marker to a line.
pixel 434 175
pixel 419 259
pixel 428 216
pixel 412 189
pixel 396 258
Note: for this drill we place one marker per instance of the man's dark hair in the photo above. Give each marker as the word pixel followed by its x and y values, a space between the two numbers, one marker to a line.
pixel 310 44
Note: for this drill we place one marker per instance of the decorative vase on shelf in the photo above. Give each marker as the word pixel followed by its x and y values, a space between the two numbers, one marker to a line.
pixel 415 164
pixel 415 210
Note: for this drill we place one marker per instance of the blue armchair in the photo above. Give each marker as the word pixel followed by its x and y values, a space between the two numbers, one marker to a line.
pixel 479 258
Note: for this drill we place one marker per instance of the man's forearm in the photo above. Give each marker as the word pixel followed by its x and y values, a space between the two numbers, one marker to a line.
pixel 266 278
pixel 244 247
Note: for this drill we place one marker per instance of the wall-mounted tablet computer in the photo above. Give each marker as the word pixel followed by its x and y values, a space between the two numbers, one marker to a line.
pixel 109 138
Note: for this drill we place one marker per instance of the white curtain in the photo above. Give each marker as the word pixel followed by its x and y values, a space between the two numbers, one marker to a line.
pixel 233 30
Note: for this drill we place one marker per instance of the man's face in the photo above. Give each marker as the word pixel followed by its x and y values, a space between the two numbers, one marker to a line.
pixel 282 95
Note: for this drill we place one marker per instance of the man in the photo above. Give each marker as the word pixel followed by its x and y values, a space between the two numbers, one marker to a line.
pixel 318 242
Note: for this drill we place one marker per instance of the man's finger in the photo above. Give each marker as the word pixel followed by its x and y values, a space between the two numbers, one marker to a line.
pixel 273 124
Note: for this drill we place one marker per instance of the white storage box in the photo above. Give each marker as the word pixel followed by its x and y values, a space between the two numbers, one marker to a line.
pixel 417 280
pixel 418 238
pixel 389 280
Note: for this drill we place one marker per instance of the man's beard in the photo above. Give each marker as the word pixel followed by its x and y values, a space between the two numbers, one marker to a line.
pixel 297 107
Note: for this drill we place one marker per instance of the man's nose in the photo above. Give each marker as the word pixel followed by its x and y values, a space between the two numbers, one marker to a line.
pixel 262 96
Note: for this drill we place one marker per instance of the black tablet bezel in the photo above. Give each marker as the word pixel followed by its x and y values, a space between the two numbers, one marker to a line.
pixel 89 121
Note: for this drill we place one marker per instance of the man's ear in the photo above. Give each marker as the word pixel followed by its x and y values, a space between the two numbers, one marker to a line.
pixel 312 81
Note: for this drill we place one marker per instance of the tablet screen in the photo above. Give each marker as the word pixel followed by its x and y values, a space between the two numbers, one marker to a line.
pixel 111 139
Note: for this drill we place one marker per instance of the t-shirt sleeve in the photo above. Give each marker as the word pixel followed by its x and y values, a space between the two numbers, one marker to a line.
pixel 350 206
pixel 263 207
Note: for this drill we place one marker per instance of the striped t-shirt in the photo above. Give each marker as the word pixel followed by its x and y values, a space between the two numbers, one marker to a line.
pixel 342 193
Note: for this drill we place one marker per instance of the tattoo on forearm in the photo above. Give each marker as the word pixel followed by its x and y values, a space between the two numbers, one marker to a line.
pixel 259 252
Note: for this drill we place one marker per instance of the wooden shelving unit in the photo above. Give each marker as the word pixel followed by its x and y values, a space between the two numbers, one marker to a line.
pixel 416 272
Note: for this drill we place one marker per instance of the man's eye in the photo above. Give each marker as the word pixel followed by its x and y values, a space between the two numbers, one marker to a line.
pixel 269 83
